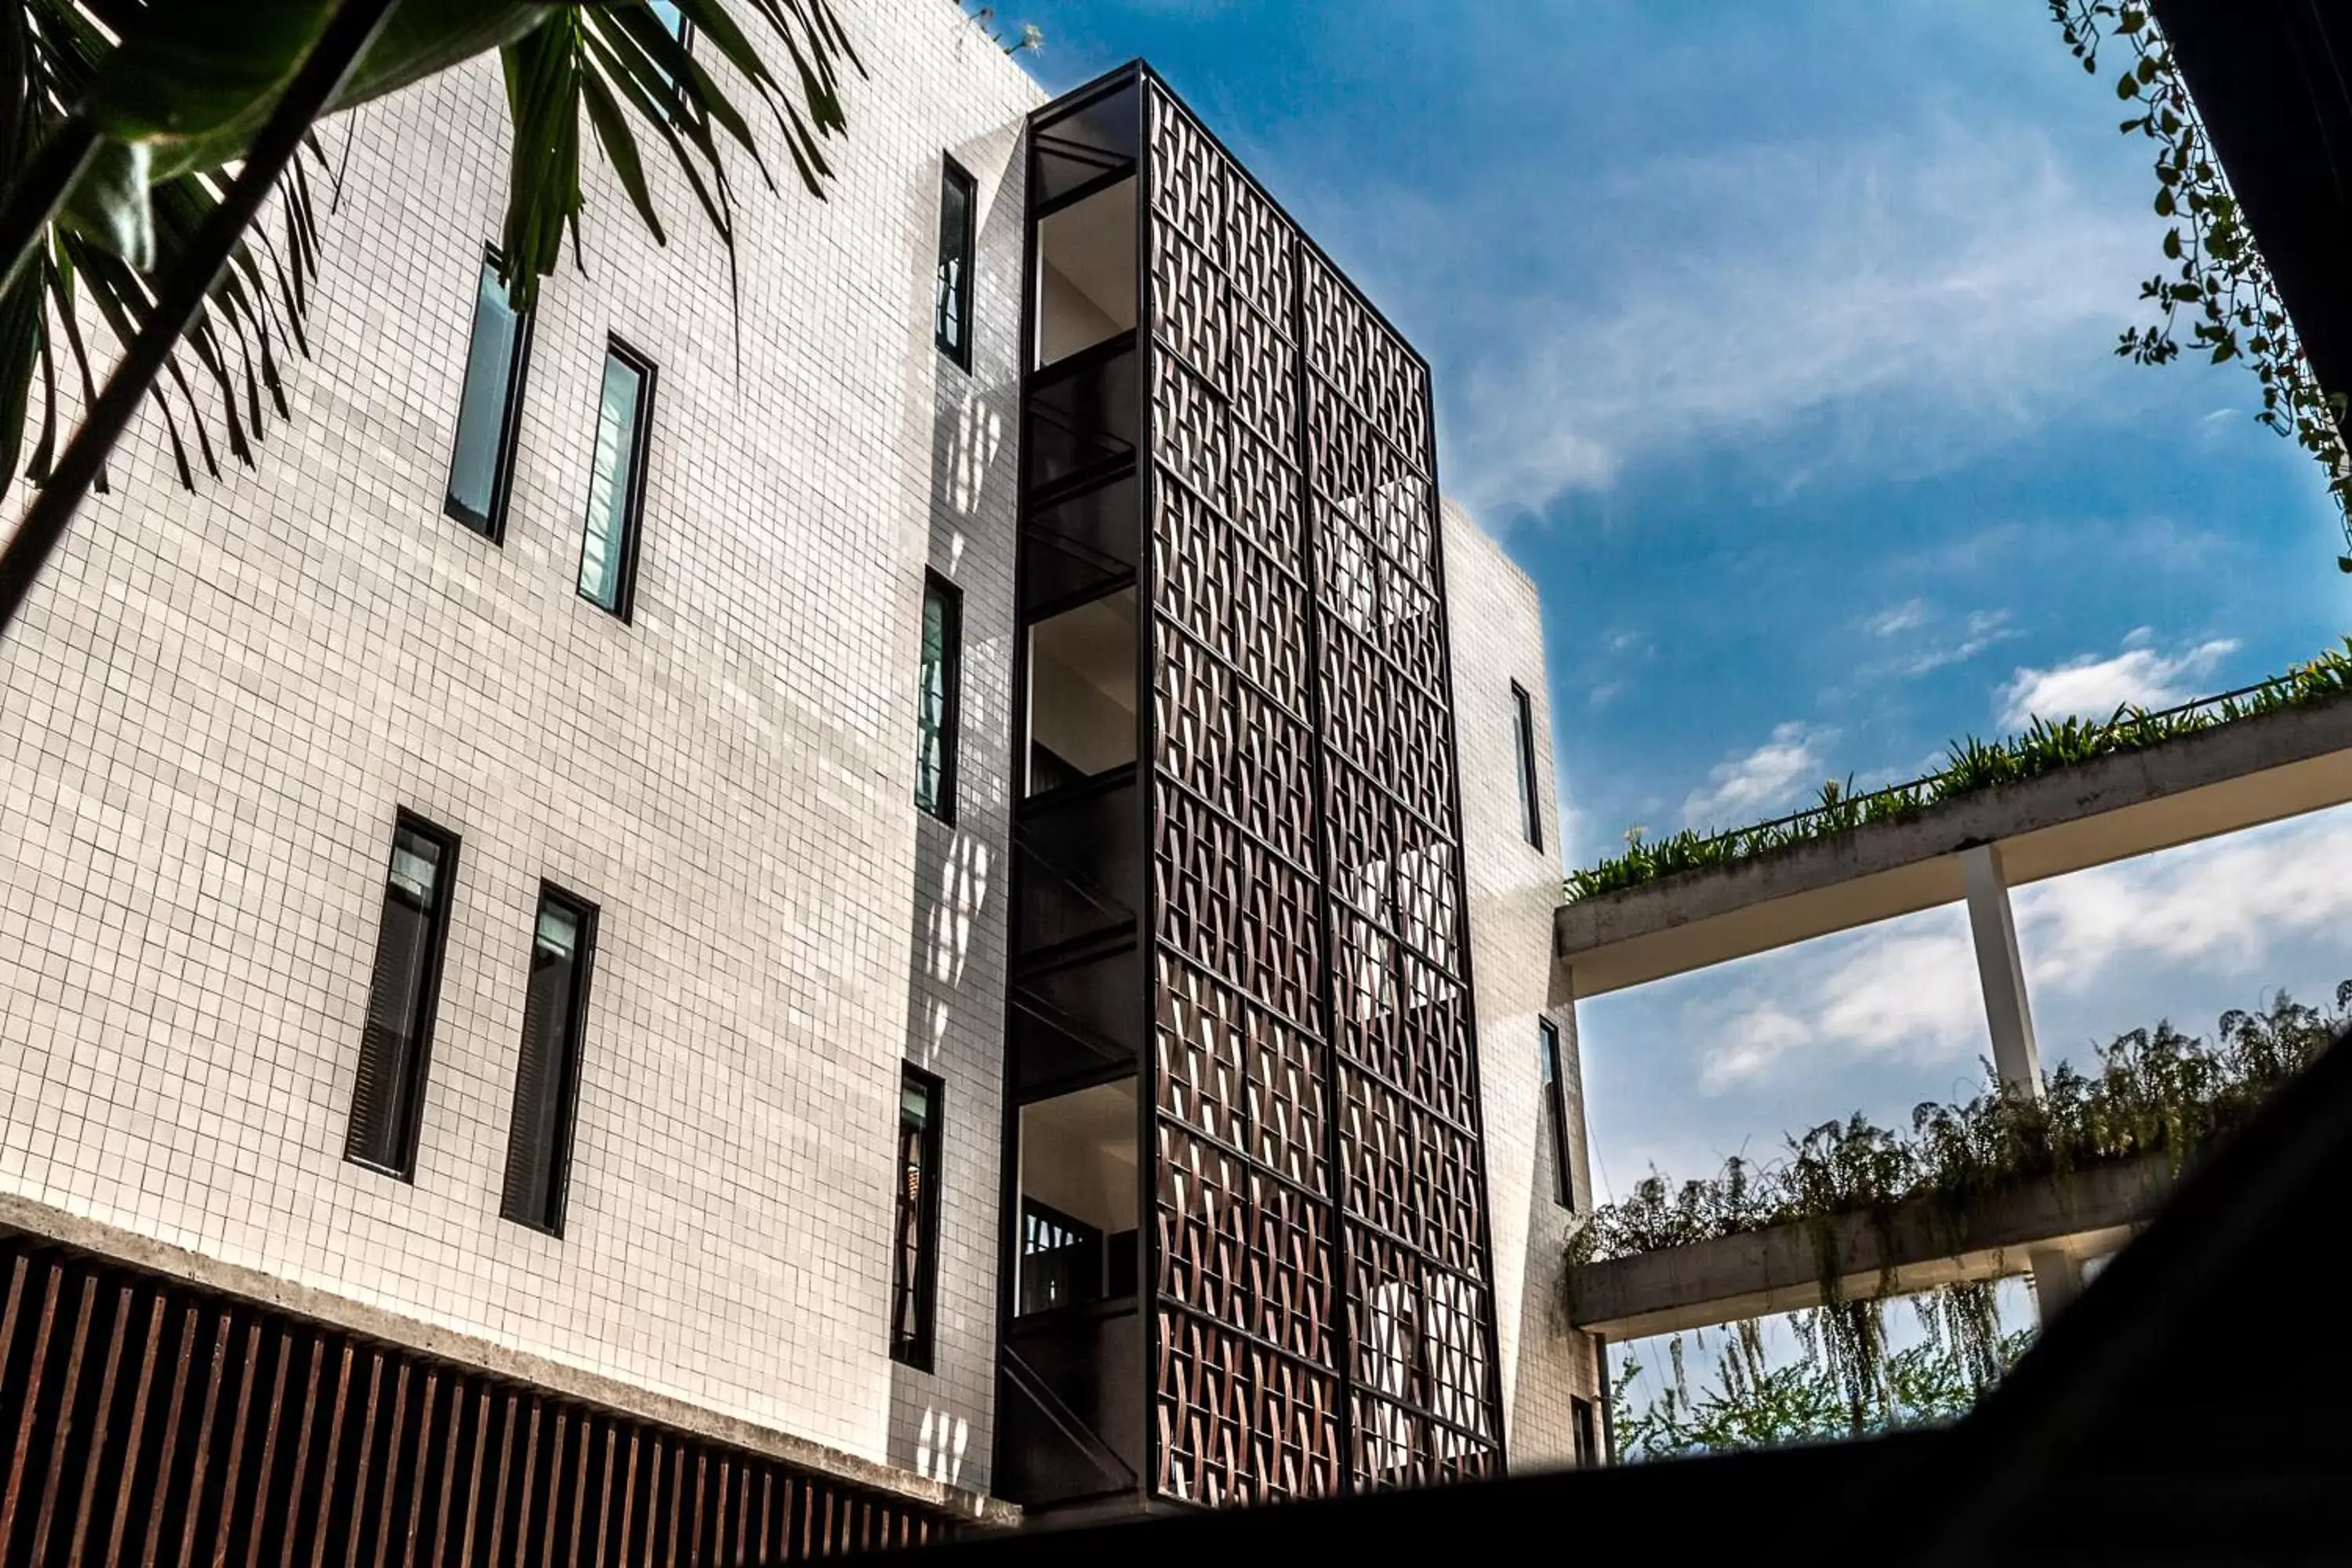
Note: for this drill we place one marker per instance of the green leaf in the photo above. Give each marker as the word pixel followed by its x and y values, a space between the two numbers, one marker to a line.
pixel 21 354
pixel 108 203
pixel 613 134
pixel 424 38
pixel 188 71
pixel 204 118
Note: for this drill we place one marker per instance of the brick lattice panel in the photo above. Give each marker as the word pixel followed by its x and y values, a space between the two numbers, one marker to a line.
pixel 1324 1306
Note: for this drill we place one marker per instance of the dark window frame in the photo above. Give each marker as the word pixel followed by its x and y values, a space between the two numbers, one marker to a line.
pixel 916 1350
pixel 417 1072
pixel 633 510
pixel 570 1054
pixel 1523 734
pixel 954 176
pixel 1583 1432
pixel 951 732
pixel 1555 1091
pixel 493 526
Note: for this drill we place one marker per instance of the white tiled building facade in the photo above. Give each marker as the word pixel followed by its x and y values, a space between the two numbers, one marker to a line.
pixel 1514 885
pixel 217 702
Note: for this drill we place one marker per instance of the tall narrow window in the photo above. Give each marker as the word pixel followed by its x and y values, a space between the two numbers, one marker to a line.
pixel 939 699
pixel 482 465
pixel 396 1039
pixel 1523 735
pixel 915 1260
pixel 616 482
pixel 1588 1445
pixel 547 1077
pixel 959 210
pixel 1555 1112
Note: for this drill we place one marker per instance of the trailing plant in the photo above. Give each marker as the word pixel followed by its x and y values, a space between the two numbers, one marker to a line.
pixel 1971 764
pixel 2215 278
pixel 1750 1402
pixel 2152 1092
pixel 1026 36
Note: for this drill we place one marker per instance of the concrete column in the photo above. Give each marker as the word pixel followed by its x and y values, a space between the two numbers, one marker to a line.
pixel 2014 1053
pixel 2015 1056
pixel 2057 1280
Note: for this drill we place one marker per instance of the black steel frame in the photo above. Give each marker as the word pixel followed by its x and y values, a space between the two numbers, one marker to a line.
pixel 1100 476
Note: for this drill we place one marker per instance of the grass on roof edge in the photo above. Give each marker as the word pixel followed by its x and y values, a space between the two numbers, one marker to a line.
pixel 1971 765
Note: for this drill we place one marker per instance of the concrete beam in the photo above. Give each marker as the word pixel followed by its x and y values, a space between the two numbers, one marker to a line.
pixel 1732 1278
pixel 2219 781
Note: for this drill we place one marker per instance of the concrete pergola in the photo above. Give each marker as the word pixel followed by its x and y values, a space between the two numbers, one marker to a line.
pixel 2217 781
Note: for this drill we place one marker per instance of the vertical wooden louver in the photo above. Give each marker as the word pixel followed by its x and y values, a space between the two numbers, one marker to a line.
pixel 151 1425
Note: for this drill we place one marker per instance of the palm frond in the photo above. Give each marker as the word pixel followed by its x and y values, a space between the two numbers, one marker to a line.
pixel 177 93
pixel 228 363
pixel 631 77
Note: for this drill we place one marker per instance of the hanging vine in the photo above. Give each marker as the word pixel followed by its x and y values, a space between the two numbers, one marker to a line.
pixel 2153 1092
pixel 1748 1401
pixel 2215 280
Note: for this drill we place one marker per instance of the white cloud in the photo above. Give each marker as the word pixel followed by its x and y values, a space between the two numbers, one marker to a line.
pixel 1904 990
pixel 1744 788
pixel 1946 642
pixel 1949 281
pixel 1908 615
pixel 1908 990
pixel 2095 687
pixel 2219 904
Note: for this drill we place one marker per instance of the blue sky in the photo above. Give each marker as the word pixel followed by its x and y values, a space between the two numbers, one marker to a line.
pixel 1774 342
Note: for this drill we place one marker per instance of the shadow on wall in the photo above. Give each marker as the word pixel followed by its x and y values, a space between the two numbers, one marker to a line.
pixel 939 1423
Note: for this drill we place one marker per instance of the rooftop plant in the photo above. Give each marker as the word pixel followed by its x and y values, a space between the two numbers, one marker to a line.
pixel 2152 1092
pixel 1971 764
